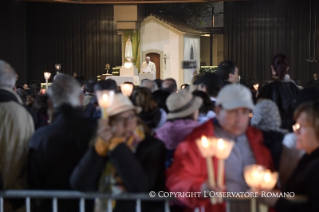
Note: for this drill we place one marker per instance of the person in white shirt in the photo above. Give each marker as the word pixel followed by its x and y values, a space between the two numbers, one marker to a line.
pixel 148 66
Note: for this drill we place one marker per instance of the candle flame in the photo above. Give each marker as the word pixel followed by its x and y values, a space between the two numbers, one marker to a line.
pixel 267 177
pixel 255 174
pixel 204 141
pixel 105 97
pixel 221 144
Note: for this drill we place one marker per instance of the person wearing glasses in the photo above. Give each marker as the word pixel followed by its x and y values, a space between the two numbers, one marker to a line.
pixel 304 180
pixel 124 158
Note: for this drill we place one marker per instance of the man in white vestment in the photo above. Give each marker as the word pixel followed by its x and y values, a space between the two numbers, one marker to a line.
pixel 148 66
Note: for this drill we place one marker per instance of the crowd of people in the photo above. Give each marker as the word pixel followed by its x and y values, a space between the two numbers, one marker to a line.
pixel 58 140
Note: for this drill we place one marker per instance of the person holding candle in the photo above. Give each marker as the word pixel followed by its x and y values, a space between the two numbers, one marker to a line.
pixel 189 172
pixel 125 158
pixel 304 180
pixel 93 111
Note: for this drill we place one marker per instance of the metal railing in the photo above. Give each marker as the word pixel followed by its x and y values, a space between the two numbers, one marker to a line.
pixel 138 197
pixel 55 195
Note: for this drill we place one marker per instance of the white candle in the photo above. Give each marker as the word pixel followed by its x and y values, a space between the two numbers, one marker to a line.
pixel 105 99
pixel 222 147
pixel 127 89
pixel 269 180
pixel 47 75
pixel 205 147
pixel 253 175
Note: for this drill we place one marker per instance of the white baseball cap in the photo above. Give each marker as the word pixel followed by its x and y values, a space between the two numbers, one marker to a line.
pixel 235 96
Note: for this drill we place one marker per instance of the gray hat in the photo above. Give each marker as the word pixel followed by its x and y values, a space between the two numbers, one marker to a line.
pixel 182 104
pixel 235 96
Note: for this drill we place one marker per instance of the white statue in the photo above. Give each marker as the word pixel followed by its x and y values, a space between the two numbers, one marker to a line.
pixel 128 50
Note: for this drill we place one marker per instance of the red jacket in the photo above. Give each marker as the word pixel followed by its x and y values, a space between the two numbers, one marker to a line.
pixel 188 171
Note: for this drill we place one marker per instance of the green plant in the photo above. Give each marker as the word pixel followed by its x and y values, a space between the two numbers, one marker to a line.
pixel 205 69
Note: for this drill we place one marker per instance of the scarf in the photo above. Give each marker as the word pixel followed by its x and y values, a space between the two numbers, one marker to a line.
pixel 110 181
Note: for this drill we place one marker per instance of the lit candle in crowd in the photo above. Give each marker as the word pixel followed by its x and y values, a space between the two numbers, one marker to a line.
pixel 105 99
pixel 253 175
pixel 47 76
pixel 221 149
pixel 269 180
pixel 205 147
pixel 127 89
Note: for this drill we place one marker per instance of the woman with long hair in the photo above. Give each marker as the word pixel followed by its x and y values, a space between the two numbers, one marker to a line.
pixel 281 90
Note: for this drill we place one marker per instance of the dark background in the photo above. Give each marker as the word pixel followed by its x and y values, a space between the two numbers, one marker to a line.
pixel 82 38
pixel 257 30
pixel 35 36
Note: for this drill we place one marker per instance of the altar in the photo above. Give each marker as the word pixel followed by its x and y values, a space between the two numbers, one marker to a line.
pixel 121 79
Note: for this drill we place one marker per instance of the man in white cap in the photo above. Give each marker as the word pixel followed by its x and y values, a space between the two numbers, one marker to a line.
pixel 233 105
pixel 148 66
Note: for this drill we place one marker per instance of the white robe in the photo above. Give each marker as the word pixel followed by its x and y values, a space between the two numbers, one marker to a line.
pixel 150 67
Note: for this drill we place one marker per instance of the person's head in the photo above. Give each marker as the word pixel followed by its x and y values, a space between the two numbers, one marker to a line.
pixel 160 97
pixel 228 71
pixel 196 78
pixel 169 85
pixel 75 74
pixel 183 105
pixel 158 83
pixel 210 83
pixel 41 104
pixel 35 87
pixel 233 105
pixel 23 95
pixel 108 84
pixel 123 115
pixel 147 59
pixel 7 75
pixel 307 118
pixel 315 76
pixel 266 116
pixel 89 86
pixel 65 90
pixel 149 84
pixel 143 98
pixel 17 77
pixel 207 104
pixel 280 66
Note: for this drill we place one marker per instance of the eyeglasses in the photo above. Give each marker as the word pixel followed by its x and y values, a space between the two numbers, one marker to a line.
pixel 125 120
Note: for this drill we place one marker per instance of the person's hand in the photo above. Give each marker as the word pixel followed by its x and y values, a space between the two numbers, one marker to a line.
pixel 207 188
pixel 104 131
